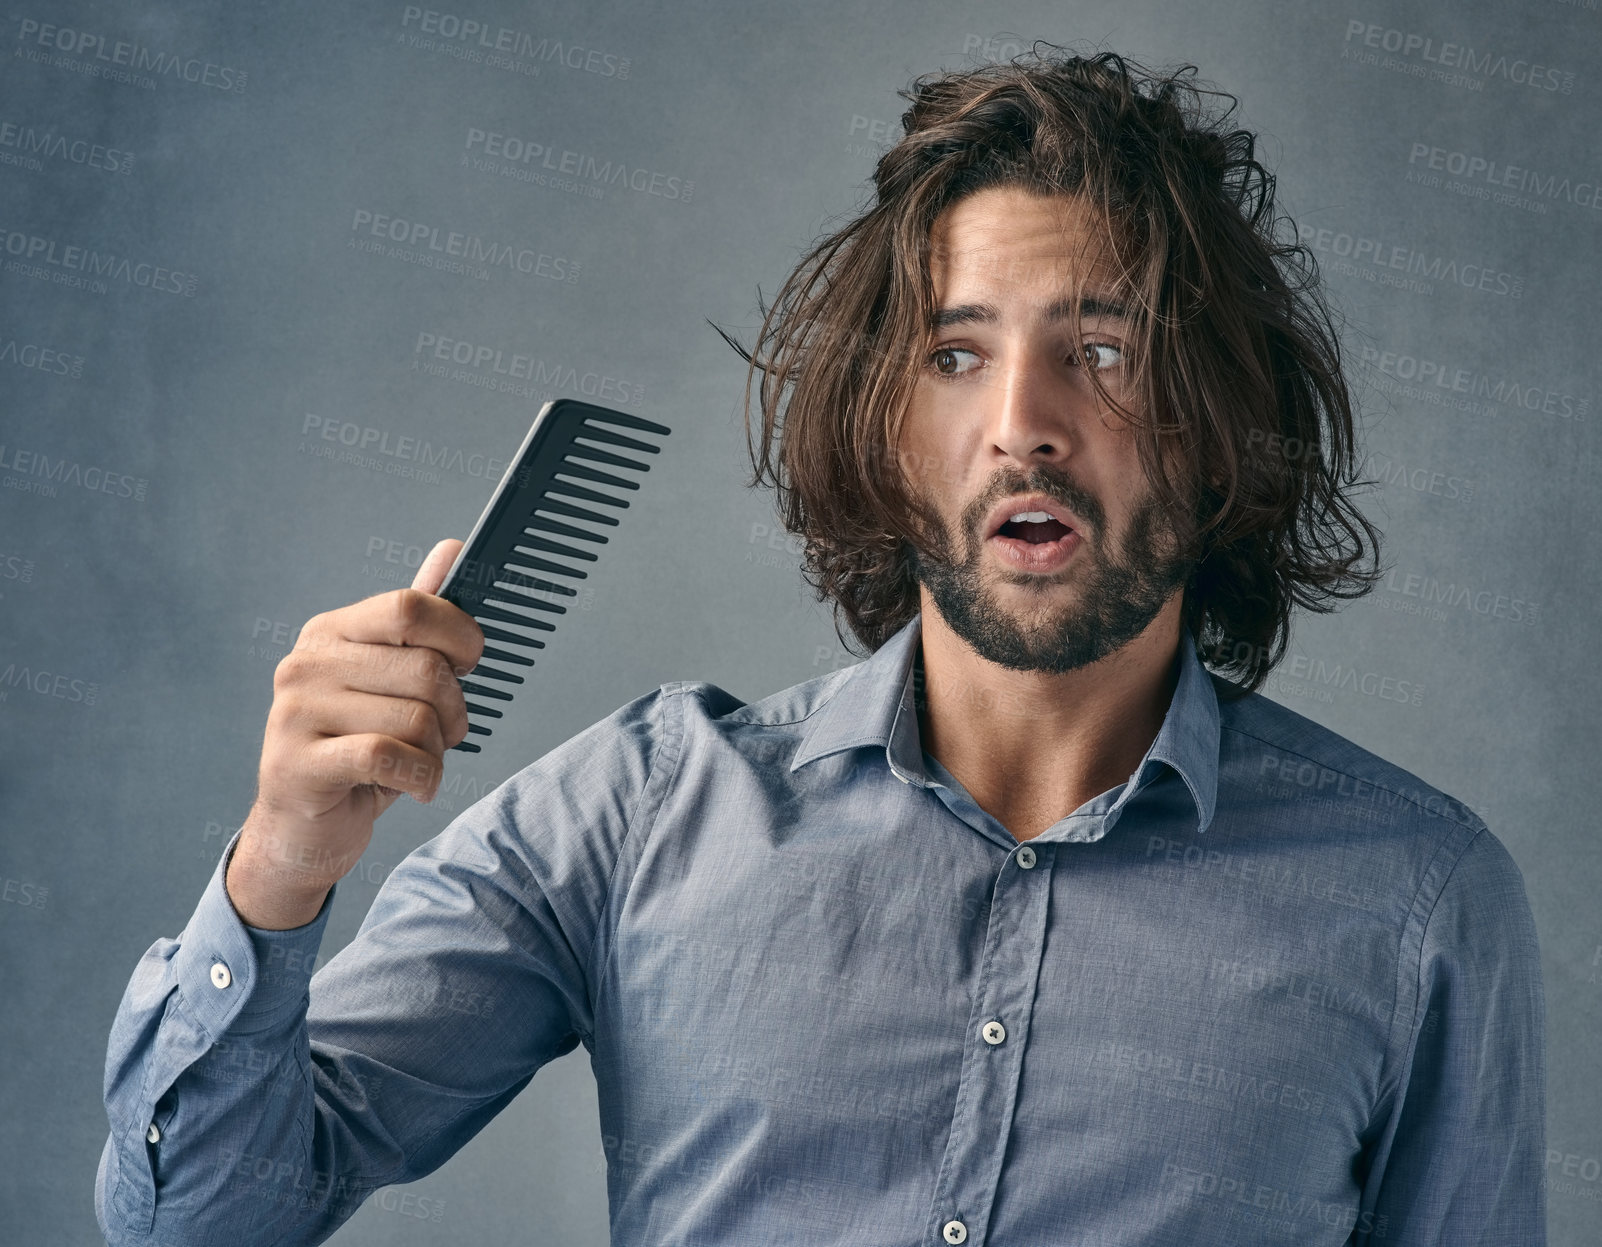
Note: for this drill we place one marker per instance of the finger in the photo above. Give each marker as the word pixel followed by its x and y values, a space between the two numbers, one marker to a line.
pixel 432 573
pixel 407 677
pixel 411 722
pixel 372 758
pixel 401 618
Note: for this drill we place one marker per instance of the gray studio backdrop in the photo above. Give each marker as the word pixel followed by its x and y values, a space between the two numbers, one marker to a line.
pixel 246 376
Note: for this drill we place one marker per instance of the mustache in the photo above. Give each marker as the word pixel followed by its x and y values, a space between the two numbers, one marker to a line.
pixel 1054 483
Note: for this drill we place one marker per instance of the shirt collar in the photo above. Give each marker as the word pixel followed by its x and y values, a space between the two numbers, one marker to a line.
pixel 874 706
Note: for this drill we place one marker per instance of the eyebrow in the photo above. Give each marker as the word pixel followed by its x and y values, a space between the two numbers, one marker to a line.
pixel 1062 309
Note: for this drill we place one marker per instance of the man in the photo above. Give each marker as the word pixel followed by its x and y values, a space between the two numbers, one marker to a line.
pixel 1028 929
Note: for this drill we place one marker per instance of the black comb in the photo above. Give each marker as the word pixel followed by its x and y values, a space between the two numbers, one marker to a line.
pixel 493 577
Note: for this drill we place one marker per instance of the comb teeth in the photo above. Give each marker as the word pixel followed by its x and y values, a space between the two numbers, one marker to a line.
pixel 590 495
pixel 571 467
pixel 493 578
pixel 532 542
pixel 557 507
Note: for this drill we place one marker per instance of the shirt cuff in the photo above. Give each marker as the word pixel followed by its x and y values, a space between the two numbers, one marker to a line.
pixel 239 977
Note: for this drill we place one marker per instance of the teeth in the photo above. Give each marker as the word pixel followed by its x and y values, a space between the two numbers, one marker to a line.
pixel 1030 517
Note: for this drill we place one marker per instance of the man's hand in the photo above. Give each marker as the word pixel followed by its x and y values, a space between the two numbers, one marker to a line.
pixel 364 708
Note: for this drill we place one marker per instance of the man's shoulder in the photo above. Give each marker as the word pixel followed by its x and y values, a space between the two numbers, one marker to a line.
pixel 784 708
pixel 1272 746
pixel 777 709
pixel 663 717
pixel 624 763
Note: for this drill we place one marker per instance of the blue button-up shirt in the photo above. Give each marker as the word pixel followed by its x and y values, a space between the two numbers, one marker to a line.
pixel 1271 989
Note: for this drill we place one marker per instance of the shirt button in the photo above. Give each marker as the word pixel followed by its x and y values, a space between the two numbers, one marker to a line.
pixel 153 1135
pixel 220 977
pixel 994 1033
pixel 1026 858
pixel 954 1232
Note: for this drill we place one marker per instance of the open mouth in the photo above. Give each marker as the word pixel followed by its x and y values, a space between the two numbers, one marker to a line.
pixel 1035 532
pixel 1037 541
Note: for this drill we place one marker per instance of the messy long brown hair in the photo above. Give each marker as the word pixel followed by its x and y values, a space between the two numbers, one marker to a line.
pixel 1237 401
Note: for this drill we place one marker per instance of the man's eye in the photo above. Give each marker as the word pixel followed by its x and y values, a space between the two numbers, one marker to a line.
pixel 1101 355
pixel 945 361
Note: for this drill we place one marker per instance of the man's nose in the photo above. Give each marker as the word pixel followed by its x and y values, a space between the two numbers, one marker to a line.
pixel 1030 409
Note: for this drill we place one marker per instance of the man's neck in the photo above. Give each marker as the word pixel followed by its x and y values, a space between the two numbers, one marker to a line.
pixel 1031 747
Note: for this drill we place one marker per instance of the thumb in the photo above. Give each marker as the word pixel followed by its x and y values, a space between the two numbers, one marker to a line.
pixel 432 573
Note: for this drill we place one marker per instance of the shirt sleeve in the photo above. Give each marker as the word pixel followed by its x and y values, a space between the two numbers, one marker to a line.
pixel 1459 1159
pixel 254 1102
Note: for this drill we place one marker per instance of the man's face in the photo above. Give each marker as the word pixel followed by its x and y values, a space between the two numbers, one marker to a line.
pixel 1004 407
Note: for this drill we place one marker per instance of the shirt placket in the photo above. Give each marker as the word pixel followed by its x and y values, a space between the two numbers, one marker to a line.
pixel 996 1037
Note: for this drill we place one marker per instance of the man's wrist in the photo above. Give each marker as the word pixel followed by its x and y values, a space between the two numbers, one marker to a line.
pixel 271 897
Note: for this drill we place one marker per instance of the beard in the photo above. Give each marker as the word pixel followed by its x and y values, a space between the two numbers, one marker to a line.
pixel 1120 591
